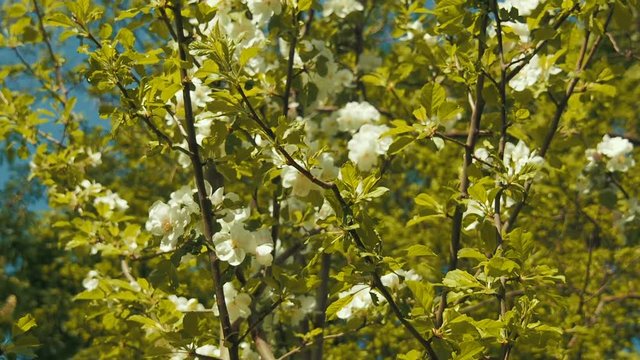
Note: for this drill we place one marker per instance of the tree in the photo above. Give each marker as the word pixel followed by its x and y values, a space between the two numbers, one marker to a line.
pixel 309 179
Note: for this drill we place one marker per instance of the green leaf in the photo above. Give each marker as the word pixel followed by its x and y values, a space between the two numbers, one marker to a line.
pixel 419 250
pixel 469 253
pixel 423 293
pixel 432 96
pixel 428 202
pixel 304 5
pixel 26 322
pixel 469 350
pixel 337 305
pixel 399 144
pixel 460 279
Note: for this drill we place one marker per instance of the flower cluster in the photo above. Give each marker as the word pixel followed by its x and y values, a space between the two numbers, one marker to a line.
pixel 362 296
pixel 367 144
pixel 531 73
pixel 234 241
pixel 300 184
pixel 170 220
pixel 614 152
pixel 354 115
pixel 238 303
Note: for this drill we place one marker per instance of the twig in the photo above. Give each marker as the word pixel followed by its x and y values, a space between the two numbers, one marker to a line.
pixel 582 63
pixel 474 127
pixel 204 202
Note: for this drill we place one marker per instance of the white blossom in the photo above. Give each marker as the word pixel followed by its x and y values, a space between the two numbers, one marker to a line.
pixel 112 200
pixel 94 158
pixel 520 29
pixel 353 115
pixel 615 151
pixel 184 305
pixel 237 303
pixel 516 157
pixel 341 8
pixel 263 10
pixel 366 145
pixel 184 197
pixel 233 242
pixel 360 301
pixel 299 184
pixel 91 281
pixel 531 73
pixel 525 7
pixel 208 350
pixel 167 221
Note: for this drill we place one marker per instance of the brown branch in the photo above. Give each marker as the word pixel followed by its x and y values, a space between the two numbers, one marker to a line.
pixel 205 204
pixel 472 136
pixel 347 208
pixel 583 61
pixel 54 59
pixel 321 306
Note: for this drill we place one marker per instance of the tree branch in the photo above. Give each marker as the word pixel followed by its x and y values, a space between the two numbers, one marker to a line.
pixel 472 136
pixel 204 202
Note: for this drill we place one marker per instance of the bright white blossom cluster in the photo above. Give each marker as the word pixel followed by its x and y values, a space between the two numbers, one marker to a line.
pixel 185 305
pixel 300 184
pixel 233 242
pixel 102 196
pixel 614 152
pixel 362 295
pixel 353 115
pixel 171 219
pixel 524 7
pixel 238 303
pixel 516 157
pixel 367 145
pixel 532 72
pixel 341 8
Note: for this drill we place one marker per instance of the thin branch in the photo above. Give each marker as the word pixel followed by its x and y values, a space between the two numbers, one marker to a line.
pixel 525 60
pixel 347 208
pixel 321 306
pixel 54 59
pixel 472 136
pixel 583 61
pixel 203 200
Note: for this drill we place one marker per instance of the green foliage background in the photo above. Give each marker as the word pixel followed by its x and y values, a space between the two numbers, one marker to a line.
pixel 560 282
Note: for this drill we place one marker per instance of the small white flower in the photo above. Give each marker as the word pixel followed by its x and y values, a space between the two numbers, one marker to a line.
pixel 167 221
pixel 208 350
pixel 525 7
pixel 520 29
pixel 353 115
pixel 263 10
pixel 94 158
pixel 91 281
pixel 184 197
pixel 299 184
pixel 112 200
pixel 616 151
pixel 366 146
pixel 531 73
pixel 341 8
pixel 231 245
pixel 237 303
pixel 391 281
pixel 360 301
pixel 516 157
pixel 183 304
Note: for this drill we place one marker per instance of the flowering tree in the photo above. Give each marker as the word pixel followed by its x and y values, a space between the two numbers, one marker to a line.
pixel 311 179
